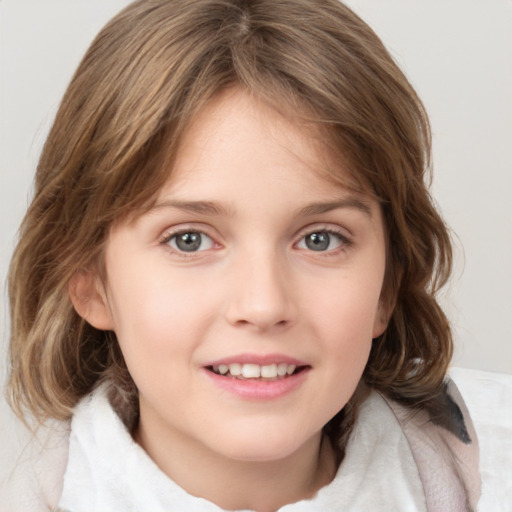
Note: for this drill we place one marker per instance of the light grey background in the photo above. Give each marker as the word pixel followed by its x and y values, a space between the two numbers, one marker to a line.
pixel 457 53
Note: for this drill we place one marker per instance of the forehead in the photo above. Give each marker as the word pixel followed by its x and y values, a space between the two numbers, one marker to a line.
pixel 237 138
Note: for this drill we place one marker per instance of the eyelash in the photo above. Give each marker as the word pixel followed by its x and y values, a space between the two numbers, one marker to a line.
pixel 345 242
pixel 174 234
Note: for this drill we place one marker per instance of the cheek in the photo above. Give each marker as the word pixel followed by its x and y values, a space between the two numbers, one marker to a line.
pixel 346 323
pixel 348 308
pixel 158 314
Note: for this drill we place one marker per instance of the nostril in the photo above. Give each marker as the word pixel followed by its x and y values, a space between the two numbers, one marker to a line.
pixel 261 323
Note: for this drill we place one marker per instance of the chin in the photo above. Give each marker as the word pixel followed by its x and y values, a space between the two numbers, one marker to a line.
pixel 264 444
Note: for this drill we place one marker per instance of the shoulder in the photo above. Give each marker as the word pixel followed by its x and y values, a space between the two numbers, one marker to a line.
pixel 444 445
pixel 32 477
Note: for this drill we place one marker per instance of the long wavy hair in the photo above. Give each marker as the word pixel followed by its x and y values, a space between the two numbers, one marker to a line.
pixel 116 133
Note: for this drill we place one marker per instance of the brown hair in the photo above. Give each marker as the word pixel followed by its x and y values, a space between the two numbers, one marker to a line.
pixel 117 130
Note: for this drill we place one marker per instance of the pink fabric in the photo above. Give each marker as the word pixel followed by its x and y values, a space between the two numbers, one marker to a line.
pixel 447 460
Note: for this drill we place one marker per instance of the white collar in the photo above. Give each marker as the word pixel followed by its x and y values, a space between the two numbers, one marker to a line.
pixel 108 471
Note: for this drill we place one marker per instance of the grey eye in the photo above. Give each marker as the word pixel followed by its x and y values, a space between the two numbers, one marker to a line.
pixel 321 241
pixel 191 241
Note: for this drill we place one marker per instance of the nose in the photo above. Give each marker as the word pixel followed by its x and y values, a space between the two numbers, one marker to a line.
pixel 261 295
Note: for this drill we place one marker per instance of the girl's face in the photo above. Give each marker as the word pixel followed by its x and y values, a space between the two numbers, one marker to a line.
pixel 245 301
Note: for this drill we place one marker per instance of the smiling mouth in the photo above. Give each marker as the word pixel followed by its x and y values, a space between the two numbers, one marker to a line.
pixel 269 372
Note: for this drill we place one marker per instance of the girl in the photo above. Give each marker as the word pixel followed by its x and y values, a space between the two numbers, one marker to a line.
pixel 226 279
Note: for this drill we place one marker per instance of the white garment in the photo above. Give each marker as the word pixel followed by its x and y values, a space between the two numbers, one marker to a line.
pixel 108 472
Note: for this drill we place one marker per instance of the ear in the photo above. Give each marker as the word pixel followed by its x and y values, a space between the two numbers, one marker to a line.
pixel 380 323
pixel 87 293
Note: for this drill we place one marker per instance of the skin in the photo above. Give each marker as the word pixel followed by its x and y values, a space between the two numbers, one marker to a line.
pixel 253 287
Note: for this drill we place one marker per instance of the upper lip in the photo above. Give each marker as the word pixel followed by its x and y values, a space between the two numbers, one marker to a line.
pixel 259 359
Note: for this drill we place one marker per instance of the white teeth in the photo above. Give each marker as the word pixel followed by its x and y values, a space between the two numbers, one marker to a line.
pixel 235 369
pixel 255 371
pixel 251 371
pixel 269 371
pixel 281 369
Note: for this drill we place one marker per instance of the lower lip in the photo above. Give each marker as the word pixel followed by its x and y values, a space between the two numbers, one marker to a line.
pixel 259 389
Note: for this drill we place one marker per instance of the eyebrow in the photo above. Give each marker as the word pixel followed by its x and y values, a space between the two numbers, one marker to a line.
pixel 213 208
pixel 199 207
pixel 349 202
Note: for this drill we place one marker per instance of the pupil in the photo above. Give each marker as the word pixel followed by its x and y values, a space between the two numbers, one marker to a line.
pixel 189 242
pixel 318 241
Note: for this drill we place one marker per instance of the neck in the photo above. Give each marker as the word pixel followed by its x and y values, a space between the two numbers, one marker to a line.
pixel 263 486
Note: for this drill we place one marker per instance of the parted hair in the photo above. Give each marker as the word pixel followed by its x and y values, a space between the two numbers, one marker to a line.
pixel 115 136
